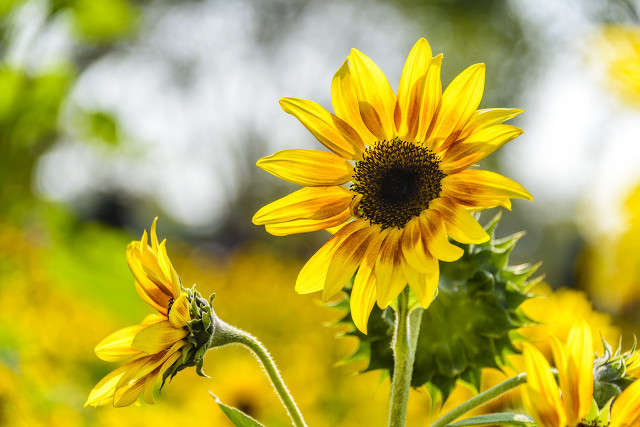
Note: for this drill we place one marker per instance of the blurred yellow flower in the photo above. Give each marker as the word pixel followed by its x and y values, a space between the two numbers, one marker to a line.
pixel 625 411
pixel 408 158
pixel 621 54
pixel 151 347
pixel 569 404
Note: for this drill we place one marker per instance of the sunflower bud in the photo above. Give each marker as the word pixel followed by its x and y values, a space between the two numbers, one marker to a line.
pixel 610 376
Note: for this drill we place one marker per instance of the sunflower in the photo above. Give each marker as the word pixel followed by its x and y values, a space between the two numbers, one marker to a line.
pixel 407 158
pixel 152 347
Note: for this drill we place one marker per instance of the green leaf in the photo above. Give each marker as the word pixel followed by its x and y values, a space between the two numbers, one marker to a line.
pixel 503 418
pixel 238 418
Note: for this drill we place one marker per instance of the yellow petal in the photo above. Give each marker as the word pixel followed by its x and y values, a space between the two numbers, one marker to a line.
pixel 316 203
pixel 151 379
pixel 625 410
pixel 312 276
pixel 179 313
pixel 158 337
pixel 544 413
pixel 581 354
pixel 434 233
pixel 479 189
pixel 102 393
pixel 345 103
pixel 346 259
pixel 459 102
pixel 308 167
pixel 333 132
pixel 546 405
pixel 170 276
pixel 414 248
pixel 461 225
pixel 307 225
pixel 154 236
pixel 465 153
pixel 363 292
pixel 488 117
pixel 424 285
pixel 411 88
pixel 430 100
pixel 390 279
pixel 118 346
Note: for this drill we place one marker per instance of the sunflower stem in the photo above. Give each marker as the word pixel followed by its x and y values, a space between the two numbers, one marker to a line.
pixel 404 351
pixel 227 334
pixel 480 400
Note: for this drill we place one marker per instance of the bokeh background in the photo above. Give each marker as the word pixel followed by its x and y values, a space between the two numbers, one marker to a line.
pixel 113 112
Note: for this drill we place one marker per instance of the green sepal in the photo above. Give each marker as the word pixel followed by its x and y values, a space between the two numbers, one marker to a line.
pixel 610 377
pixel 471 325
pixel 503 418
pixel 238 418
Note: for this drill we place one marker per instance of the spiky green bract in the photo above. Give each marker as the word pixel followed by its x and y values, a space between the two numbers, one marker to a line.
pixel 610 374
pixel 201 328
pixel 471 324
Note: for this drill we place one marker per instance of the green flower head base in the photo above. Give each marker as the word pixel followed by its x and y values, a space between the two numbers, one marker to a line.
pixel 470 325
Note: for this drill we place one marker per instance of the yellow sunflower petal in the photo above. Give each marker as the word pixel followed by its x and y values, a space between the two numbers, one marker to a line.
pixel 313 274
pixel 307 225
pixel 461 225
pixel 376 99
pixel 546 406
pixel 102 393
pixel 158 337
pixel 316 203
pixel 544 413
pixel 154 235
pixel 434 233
pixel 345 102
pixel 363 292
pixel 476 147
pixel 390 279
pixel 346 259
pixel 118 346
pixel 412 81
pixel 430 100
pixel 151 379
pixel 625 410
pixel 482 189
pixel 414 248
pixel 170 276
pixel 179 313
pixel 333 132
pixel 581 353
pixel 459 102
pixel 308 167
pixel 488 117
pixel 424 285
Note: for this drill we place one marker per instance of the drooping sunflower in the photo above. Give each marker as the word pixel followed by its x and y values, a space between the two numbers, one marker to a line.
pixel 152 347
pixel 408 159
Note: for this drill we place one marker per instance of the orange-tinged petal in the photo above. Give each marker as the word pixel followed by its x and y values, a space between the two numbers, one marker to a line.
pixel 333 132
pixel 412 81
pixel 308 167
pixel 102 393
pixel 118 346
pixel 315 203
pixel 543 396
pixel 461 225
pixel 345 102
pixel 430 100
pixel 434 233
pixel 424 285
pixel 151 379
pixel 459 102
pixel 544 413
pixel 488 117
pixel 390 279
pixel 170 276
pixel 414 248
pixel 476 147
pixel 158 337
pixel 346 259
pixel 363 292
pixel 376 99
pixel 313 274
pixel 179 313
pixel 307 225
pixel 625 411
pixel 581 354
pixel 479 189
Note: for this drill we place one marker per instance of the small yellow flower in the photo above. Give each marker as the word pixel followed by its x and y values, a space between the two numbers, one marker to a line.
pixel 620 51
pixel 567 405
pixel 150 348
pixel 408 159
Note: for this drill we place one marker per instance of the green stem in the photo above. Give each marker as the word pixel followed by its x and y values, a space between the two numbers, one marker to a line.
pixel 480 399
pixel 404 351
pixel 227 334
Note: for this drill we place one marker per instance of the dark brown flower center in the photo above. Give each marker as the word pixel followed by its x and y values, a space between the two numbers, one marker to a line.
pixel 396 180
